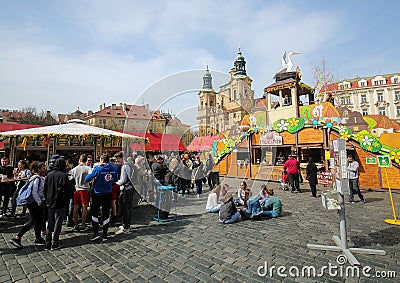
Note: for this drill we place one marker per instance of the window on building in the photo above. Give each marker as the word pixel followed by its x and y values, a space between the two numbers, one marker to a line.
pixel 122 122
pixel 363 98
pixel 348 101
pixel 382 110
pixel 341 87
pixel 102 121
pixel 343 101
pixel 362 84
pixel 159 124
pixel 397 95
pixel 396 80
pixel 234 94
pixel 346 114
pixel 381 82
pixel 211 103
pixel 364 111
pixel 375 82
pixel 398 111
pixel 380 96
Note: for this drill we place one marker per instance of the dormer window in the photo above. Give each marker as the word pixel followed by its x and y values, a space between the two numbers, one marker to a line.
pixel 381 82
pixel 118 113
pixel 396 80
pixel 108 112
pixel 375 82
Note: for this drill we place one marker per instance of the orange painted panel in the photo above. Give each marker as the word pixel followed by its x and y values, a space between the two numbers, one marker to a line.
pixel 311 135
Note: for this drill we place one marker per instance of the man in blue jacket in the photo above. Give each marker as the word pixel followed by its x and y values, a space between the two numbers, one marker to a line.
pixel 104 176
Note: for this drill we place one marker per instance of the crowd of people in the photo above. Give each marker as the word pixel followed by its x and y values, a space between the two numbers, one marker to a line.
pixel 61 192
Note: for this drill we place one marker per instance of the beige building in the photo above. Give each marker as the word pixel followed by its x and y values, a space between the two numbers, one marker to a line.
pixel 220 111
pixel 376 95
pixel 133 118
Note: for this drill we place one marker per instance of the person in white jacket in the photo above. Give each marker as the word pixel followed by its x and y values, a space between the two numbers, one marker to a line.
pixel 36 207
pixel 213 201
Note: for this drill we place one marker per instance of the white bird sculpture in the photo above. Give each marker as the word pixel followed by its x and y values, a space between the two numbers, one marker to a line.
pixel 287 62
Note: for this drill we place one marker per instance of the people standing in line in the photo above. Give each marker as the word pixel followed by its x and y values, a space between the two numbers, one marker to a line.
pixel 5 187
pixel 312 171
pixel 208 170
pixel 105 175
pixel 82 191
pixel 198 174
pixel 36 207
pixel 126 196
pixel 352 167
pixel 55 191
pixel 292 166
pixel 22 172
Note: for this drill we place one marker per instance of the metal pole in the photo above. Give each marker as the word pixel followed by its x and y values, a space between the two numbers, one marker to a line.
pixel 343 230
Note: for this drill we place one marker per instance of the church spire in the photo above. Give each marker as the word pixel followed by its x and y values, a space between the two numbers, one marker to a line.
pixel 240 64
pixel 207 80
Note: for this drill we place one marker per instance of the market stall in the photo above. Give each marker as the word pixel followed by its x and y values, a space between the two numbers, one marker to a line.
pixel 74 137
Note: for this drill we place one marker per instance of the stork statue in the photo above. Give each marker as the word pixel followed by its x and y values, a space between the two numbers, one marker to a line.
pixel 287 62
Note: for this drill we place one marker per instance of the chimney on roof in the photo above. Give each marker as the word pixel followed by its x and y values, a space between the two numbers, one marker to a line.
pixel 113 106
pixel 147 106
pixel 101 107
pixel 90 113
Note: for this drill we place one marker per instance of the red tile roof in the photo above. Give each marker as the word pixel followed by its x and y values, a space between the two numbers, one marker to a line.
pixel 384 122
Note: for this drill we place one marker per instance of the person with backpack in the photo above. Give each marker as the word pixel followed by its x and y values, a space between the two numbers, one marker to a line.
pixel 32 193
pixel 56 192
pixel 22 173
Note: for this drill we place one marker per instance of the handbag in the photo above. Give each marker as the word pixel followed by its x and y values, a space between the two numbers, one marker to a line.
pixel 300 178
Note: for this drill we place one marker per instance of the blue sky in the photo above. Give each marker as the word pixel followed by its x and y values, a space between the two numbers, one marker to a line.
pixel 58 55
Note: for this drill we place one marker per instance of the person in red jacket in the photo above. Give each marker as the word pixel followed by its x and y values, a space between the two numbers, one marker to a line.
pixel 292 166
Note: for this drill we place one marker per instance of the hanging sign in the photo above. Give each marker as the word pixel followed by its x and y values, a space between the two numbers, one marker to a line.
pixel 370 160
pixel 270 139
pixel 383 161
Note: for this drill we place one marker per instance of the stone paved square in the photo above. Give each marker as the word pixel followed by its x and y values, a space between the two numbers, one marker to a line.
pixel 197 248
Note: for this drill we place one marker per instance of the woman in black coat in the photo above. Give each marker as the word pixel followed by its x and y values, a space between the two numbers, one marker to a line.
pixel 312 177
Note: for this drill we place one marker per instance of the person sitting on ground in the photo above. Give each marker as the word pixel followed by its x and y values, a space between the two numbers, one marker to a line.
pixel 224 189
pixel 242 193
pixel 274 202
pixel 254 204
pixel 212 201
pixel 228 212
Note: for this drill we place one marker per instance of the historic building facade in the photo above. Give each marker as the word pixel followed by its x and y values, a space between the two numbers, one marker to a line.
pixel 376 95
pixel 220 111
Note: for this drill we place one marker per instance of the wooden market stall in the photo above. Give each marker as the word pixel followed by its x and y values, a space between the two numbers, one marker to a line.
pixel 75 137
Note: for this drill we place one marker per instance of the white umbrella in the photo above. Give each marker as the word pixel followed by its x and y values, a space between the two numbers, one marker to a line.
pixel 73 128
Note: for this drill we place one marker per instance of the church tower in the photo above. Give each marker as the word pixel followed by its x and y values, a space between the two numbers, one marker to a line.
pixel 206 109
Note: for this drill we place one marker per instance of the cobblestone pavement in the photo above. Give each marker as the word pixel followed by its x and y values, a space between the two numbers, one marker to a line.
pixel 196 248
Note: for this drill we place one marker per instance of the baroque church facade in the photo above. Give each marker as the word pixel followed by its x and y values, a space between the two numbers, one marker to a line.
pixel 225 109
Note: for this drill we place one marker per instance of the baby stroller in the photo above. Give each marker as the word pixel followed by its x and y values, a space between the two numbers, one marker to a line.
pixel 284 181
